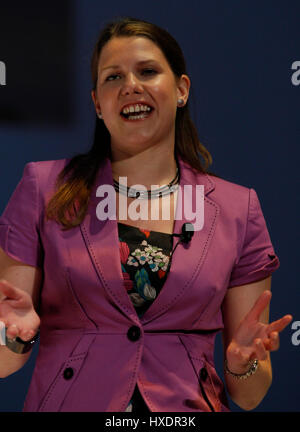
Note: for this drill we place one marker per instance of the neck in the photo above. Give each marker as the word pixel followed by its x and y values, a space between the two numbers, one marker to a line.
pixel 151 167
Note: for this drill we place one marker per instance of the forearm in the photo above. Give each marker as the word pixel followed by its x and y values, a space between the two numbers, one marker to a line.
pixel 248 393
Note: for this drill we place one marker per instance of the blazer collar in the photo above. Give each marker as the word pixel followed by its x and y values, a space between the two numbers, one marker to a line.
pixel 102 242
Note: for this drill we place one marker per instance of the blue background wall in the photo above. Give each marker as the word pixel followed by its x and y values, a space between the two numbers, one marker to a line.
pixel 245 106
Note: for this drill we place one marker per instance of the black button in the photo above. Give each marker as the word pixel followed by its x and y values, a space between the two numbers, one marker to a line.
pixel 134 333
pixel 68 373
pixel 203 374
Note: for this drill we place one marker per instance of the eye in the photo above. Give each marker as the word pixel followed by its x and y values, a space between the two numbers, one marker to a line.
pixel 112 77
pixel 148 71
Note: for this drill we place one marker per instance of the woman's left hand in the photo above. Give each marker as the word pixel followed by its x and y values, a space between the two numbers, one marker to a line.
pixel 253 339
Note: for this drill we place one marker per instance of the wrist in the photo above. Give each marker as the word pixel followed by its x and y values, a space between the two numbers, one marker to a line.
pixel 19 346
pixel 244 372
pixel 237 368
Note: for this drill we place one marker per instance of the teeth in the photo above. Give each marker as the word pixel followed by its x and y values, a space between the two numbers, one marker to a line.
pixel 136 108
pixel 136 117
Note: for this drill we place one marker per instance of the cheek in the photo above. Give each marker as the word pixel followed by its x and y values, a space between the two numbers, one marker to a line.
pixel 106 100
pixel 165 94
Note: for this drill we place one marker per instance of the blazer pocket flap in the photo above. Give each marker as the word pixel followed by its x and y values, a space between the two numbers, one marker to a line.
pixel 66 376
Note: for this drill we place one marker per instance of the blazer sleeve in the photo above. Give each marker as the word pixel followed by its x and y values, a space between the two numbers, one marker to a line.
pixel 19 223
pixel 257 259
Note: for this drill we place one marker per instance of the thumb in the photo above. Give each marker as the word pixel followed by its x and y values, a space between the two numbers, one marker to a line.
pixel 9 290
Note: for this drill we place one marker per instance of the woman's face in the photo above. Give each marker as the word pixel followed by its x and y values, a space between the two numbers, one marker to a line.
pixel 137 95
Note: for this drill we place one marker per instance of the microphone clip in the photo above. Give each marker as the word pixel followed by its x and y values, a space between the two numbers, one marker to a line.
pixel 187 232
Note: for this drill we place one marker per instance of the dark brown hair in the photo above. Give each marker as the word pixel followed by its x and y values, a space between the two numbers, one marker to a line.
pixel 69 203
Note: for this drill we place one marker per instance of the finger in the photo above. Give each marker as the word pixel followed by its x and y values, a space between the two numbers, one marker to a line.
pixel 8 290
pixel 260 351
pixel 259 306
pixel 12 331
pixel 274 341
pixel 280 324
pixel 26 335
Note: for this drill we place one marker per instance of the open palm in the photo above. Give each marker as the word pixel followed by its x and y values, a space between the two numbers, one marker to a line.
pixel 17 312
pixel 253 339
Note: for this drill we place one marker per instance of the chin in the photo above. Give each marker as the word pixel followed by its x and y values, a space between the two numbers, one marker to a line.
pixel 137 142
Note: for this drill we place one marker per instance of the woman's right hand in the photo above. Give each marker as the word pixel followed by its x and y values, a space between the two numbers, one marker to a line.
pixel 17 312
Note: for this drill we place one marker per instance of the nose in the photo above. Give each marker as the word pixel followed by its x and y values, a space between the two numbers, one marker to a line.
pixel 131 84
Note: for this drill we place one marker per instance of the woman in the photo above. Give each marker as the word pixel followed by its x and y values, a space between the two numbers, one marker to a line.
pixel 137 337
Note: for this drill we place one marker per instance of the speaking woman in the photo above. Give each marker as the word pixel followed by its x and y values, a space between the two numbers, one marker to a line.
pixel 127 309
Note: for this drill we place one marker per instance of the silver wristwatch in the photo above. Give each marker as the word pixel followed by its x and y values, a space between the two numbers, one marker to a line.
pixel 19 346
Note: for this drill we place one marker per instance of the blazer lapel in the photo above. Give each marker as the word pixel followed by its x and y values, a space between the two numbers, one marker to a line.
pixel 188 258
pixel 101 239
pixel 102 242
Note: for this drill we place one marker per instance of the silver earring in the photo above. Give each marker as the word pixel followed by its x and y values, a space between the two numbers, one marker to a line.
pixel 100 116
pixel 180 102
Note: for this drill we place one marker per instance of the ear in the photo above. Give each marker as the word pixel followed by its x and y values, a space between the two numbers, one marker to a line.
pixel 95 100
pixel 183 87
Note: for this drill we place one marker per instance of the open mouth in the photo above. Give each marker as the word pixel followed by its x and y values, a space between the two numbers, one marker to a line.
pixel 136 112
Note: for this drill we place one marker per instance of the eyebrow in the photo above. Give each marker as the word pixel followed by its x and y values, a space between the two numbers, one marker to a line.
pixel 142 62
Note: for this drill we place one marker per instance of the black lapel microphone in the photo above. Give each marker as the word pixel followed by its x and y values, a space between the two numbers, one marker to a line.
pixel 184 237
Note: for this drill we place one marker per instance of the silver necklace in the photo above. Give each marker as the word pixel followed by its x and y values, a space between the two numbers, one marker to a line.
pixel 156 193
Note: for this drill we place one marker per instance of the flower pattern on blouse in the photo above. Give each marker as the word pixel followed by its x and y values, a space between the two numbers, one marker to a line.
pixel 144 264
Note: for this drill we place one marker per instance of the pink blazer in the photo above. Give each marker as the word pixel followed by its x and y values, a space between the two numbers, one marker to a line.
pixel 93 347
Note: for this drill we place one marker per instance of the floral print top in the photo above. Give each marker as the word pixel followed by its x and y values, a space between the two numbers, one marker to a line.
pixel 144 257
